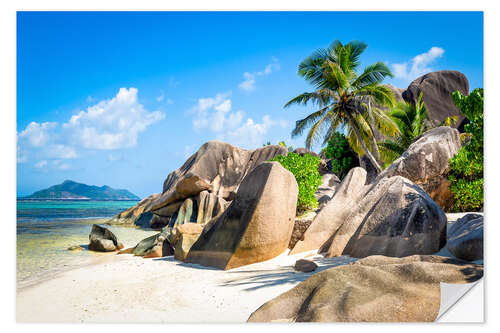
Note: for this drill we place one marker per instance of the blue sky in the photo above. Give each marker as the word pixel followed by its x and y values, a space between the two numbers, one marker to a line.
pixel 123 99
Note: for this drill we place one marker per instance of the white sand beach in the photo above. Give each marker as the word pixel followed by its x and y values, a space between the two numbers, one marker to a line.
pixel 125 288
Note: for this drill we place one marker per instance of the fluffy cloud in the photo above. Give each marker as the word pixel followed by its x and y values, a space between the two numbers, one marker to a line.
pixel 215 114
pixel 417 66
pixel 37 135
pixel 249 79
pixel 251 134
pixel 112 124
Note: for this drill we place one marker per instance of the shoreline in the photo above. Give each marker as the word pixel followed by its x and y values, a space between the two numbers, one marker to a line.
pixel 130 289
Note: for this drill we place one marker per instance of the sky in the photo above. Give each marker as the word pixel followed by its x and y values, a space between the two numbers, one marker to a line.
pixel 124 98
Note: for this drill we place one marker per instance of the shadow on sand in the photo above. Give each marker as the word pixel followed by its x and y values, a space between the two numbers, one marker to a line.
pixel 263 278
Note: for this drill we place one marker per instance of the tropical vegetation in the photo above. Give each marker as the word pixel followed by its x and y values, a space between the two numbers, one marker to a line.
pixel 466 168
pixel 346 100
pixel 343 158
pixel 305 170
pixel 412 121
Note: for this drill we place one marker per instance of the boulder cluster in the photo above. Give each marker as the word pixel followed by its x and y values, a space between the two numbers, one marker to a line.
pixel 228 207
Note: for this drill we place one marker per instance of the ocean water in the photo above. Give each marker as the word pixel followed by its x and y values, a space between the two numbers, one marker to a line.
pixel 45 230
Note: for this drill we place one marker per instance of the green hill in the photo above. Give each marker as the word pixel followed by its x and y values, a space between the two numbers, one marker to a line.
pixel 73 190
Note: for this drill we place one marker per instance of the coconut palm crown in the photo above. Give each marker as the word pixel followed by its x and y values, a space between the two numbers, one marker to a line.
pixel 346 100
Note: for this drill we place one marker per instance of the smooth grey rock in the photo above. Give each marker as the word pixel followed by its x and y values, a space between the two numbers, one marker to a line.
pixel 465 238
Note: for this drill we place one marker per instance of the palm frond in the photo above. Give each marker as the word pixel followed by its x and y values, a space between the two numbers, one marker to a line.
pixel 355 49
pixel 317 130
pixel 381 95
pixel 302 124
pixel 373 74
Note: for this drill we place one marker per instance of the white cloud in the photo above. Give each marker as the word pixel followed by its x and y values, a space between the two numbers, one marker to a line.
pixel 249 79
pixel 41 164
pixel 251 134
pixel 62 151
pixel 215 114
pixel 249 83
pixel 161 97
pixel 417 66
pixel 37 134
pixel 112 124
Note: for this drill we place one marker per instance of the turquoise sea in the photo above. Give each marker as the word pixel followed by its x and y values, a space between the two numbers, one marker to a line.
pixel 45 230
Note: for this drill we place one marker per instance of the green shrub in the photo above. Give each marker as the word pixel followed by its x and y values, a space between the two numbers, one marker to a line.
pixel 466 168
pixel 343 157
pixel 305 170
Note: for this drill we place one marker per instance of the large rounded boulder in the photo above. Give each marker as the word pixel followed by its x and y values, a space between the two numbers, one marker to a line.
pixel 426 162
pixel 257 225
pixel 436 89
pixel 374 289
pixel 394 218
pixel 465 237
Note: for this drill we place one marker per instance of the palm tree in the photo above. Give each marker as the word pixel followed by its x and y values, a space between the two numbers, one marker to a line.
pixel 412 122
pixel 347 101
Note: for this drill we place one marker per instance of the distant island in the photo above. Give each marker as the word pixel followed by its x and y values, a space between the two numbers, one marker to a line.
pixel 70 190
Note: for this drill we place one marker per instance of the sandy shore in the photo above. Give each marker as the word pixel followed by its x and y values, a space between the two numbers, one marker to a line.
pixel 133 289
pixel 128 289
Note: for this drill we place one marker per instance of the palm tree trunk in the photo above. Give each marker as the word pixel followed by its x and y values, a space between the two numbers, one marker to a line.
pixel 362 144
pixel 373 140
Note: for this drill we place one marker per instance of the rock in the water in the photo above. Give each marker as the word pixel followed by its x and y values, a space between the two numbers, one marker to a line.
pixel 331 217
pixel 217 167
pixel 131 215
pixel 374 289
pixel 465 238
pixel 256 226
pixel 75 248
pixel 436 88
pixel 304 265
pixel 427 163
pixel 103 240
pixel 394 218
pixel 327 188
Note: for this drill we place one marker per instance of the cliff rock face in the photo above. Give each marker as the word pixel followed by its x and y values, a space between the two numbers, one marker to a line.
pixel 374 289
pixel 258 224
pixel 436 88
